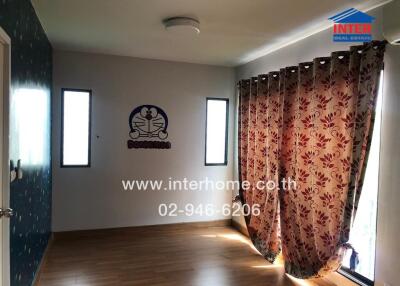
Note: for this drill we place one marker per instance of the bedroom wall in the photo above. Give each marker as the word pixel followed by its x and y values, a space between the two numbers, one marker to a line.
pixel 320 44
pixel 91 198
pixel 31 81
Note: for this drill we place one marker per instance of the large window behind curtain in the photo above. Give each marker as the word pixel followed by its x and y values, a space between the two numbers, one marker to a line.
pixel 363 233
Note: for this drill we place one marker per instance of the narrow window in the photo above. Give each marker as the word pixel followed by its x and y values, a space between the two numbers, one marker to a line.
pixel 217 131
pixel 75 128
pixel 363 232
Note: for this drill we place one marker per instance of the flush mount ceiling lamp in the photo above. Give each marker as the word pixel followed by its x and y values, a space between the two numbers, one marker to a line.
pixel 183 25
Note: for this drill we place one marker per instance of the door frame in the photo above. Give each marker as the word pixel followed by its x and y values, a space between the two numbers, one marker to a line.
pixel 6 42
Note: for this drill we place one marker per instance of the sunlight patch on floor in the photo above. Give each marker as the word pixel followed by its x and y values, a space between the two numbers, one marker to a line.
pixel 300 282
pixel 276 265
pixel 233 236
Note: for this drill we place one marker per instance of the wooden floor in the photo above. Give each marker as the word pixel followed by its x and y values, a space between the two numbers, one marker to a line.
pixel 161 256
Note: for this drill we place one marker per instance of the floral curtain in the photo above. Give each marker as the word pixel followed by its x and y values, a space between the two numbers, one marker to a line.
pixel 311 123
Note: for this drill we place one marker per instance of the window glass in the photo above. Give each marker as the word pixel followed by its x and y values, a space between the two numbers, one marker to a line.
pixel 76 128
pixel 216 131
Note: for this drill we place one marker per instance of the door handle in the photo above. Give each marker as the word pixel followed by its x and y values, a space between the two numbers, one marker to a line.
pixel 8 212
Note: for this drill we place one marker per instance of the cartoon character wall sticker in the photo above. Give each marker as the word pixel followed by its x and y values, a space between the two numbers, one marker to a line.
pixel 148 128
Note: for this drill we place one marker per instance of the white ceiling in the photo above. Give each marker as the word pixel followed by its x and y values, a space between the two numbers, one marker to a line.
pixel 232 31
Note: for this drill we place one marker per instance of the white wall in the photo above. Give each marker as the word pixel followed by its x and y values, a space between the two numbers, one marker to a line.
pixel 320 44
pixel 90 198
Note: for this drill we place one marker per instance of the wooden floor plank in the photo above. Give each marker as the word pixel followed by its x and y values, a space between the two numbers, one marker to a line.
pixel 161 256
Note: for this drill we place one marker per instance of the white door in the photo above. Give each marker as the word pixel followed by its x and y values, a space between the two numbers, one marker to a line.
pixel 1 151
pixel 4 159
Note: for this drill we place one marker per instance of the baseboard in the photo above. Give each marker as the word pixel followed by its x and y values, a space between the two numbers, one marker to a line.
pixel 36 279
pixel 82 233
pixel 242 229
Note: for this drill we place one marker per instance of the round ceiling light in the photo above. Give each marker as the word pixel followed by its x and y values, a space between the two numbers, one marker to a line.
pixel 182 24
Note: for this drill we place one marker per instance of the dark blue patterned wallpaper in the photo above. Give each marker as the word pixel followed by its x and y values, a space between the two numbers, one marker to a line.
pixel 31 75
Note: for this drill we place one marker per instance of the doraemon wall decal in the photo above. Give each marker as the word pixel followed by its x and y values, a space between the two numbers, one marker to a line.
pixel 148 128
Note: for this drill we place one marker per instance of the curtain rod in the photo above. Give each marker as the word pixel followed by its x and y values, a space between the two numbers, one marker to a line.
pixel 375 44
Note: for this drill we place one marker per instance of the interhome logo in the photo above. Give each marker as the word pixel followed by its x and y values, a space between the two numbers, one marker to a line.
pixel 352 26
